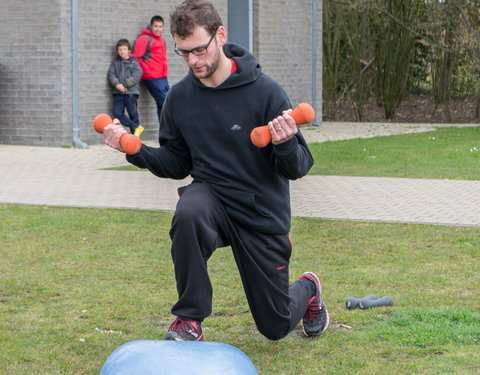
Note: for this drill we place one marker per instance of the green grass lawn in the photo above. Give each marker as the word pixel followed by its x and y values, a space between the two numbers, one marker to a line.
pixel 75 284
pixel 448 153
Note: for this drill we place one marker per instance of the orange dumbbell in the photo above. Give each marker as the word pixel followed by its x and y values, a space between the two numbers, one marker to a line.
pixel 302 114
pixel 130 144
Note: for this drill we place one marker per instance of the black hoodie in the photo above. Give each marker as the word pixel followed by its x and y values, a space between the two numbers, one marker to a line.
pixel 205 133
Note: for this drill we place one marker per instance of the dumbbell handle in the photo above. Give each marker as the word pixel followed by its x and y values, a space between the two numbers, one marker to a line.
pixel 384 301
pixel 302 114
pixel 352 303
pixel 129 143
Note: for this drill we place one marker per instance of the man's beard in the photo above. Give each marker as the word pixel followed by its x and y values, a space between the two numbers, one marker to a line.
pixel 212 68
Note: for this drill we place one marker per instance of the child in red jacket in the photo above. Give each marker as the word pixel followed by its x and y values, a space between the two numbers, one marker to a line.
pixel 151 53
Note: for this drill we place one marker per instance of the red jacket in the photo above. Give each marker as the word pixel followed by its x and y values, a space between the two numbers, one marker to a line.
pixel 152 58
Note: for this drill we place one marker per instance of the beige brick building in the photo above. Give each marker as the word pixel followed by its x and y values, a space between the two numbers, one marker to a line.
pixel 53 76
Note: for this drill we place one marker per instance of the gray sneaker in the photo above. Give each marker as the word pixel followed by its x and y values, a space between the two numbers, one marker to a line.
pixel 316 318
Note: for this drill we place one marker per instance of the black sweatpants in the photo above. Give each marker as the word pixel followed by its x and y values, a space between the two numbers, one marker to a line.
pixel 201 225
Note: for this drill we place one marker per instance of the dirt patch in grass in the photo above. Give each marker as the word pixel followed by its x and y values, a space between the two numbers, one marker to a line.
pixel 415 109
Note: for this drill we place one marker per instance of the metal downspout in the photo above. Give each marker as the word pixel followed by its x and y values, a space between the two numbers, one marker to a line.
pixel 314 60
pixel 76 141
pixel 250 26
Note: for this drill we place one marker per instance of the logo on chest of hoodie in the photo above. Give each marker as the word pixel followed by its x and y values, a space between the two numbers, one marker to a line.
pixel 236 128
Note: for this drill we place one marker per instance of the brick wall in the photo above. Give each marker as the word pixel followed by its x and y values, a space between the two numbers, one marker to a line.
pixel 283 46
pixel 32 89
pixel 35 63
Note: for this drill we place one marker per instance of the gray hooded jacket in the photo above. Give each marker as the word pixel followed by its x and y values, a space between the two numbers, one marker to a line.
pixel 127 72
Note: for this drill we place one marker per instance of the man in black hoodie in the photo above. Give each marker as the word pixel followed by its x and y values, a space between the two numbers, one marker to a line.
pixel 240 193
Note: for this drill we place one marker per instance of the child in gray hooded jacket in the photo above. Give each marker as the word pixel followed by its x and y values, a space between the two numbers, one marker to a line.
pixel 124 75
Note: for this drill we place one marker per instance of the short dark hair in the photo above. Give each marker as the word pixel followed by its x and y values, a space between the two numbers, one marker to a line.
pixel 192 13
pixel 123 42
pixel 156 18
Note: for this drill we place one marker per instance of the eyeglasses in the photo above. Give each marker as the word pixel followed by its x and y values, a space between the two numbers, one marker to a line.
pixel 198 51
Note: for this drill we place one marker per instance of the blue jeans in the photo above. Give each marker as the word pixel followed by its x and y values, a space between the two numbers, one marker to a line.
pixel 120 102
pixel 158 88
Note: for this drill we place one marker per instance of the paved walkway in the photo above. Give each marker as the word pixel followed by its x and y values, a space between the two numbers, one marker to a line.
pixel 76 177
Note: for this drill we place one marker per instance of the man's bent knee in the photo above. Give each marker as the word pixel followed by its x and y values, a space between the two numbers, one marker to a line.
pixel 273 333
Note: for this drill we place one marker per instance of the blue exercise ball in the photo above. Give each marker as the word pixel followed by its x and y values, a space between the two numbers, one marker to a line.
pixel 154 357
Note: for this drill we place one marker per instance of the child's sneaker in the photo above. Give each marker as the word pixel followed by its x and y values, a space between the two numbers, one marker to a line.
pixel 316 318
pixel 139 130
pixel 185 330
